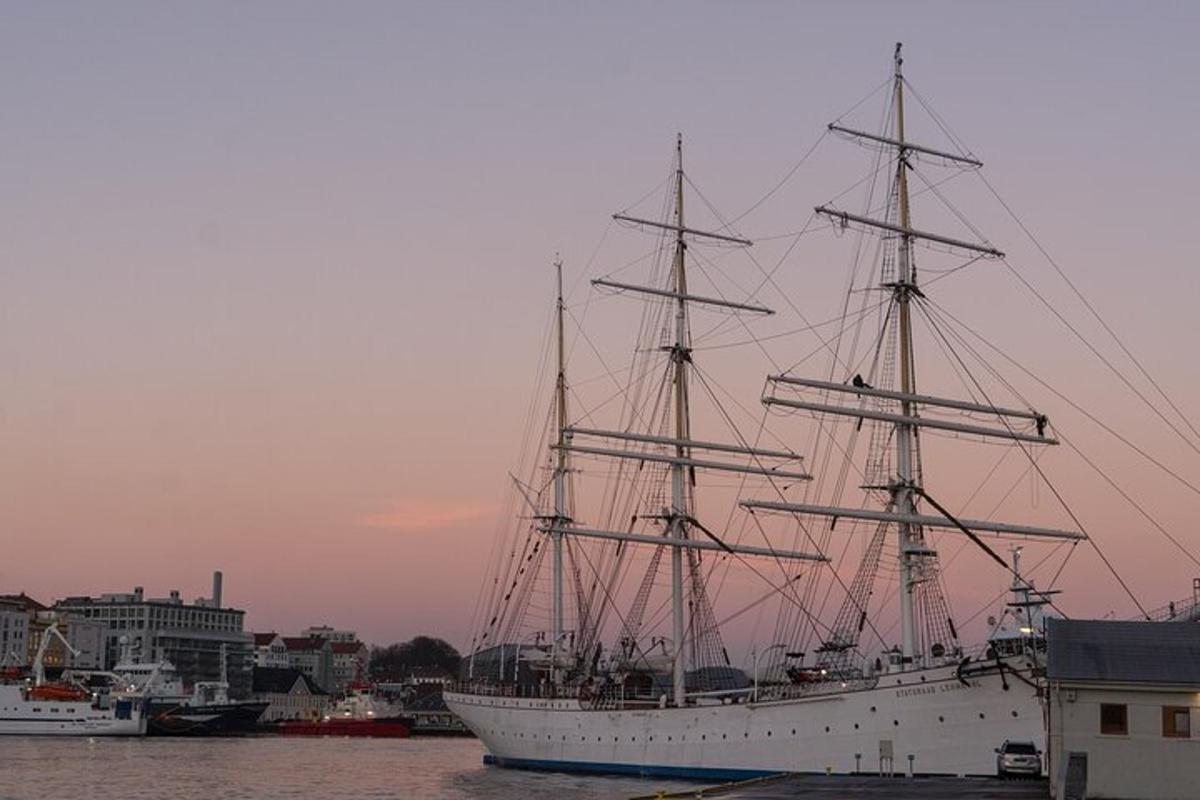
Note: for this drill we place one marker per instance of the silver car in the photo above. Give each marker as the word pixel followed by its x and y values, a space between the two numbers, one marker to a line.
pixel 1018 758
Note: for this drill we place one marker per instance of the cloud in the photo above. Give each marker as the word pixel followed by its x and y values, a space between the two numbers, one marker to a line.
pixel 407 515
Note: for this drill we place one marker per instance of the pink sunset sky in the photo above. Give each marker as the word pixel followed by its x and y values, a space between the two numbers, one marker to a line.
pixel 276 275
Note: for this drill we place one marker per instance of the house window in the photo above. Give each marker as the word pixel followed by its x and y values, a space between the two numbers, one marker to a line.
pixel 1114 719
pixel 1177 722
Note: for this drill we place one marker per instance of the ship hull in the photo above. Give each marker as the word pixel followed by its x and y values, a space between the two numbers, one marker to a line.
pixel 23 717
pixel 224 719
pixel 950 726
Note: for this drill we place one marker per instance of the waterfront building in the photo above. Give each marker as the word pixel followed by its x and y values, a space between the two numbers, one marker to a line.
pixel 192 637
pixel 270 650
pixel 14 634
pixel 349 662
pixel 289 693
pixel 1123 709
pixel 313 656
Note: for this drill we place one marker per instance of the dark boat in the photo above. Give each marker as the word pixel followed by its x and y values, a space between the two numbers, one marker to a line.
pixel 215 719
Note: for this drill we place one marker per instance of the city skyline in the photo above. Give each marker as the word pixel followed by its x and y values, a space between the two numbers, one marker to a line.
pixel 275 296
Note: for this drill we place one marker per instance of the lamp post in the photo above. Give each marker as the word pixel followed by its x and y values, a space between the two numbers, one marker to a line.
pixel 756 654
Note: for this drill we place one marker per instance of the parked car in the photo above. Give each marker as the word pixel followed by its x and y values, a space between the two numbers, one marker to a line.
pixel 1018 758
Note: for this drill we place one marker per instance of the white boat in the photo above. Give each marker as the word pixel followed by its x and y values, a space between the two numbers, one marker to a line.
pixel 38 707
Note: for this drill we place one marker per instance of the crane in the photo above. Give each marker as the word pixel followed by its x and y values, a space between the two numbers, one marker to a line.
pixel 39 667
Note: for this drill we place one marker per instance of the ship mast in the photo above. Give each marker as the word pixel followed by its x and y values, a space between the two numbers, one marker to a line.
pixel 561 515
pixel 680 355
pixel 675 450
pixel 862 401
pixel 902 490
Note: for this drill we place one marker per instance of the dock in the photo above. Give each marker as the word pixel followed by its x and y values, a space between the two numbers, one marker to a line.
pixel 867 787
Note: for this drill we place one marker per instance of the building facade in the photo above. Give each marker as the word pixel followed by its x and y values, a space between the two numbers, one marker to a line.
pixel 312 656
pixel 14 634
pixel 290 694
pixel 349 664
pixel 193 637
pixel 1123 710
pixel 270 650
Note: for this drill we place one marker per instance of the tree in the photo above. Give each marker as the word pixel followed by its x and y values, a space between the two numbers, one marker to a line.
pixel 398 660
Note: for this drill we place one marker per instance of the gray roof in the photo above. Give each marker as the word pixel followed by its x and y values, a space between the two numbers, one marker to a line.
pixel 1123 652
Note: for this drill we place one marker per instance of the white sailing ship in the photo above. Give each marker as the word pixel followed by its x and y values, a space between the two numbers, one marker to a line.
pixel 606 694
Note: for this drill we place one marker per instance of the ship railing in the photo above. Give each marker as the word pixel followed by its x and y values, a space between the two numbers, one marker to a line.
pixel 547 691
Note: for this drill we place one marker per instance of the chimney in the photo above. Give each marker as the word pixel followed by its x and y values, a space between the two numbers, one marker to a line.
pixel 216 592
pixel 137 593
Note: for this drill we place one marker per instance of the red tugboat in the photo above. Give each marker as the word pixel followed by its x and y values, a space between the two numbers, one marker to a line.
pixel 358 715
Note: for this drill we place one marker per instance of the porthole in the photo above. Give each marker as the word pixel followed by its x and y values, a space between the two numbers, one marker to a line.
pixel 827 729
pixel 982 715
pixel 1014 713
pixel 872 709
pixel 793 731
pixel 941 719
pixel 768 733
pixel 856 726
pixel 896 722
pixel 703 737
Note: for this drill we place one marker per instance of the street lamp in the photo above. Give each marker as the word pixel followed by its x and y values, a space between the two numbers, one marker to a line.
pixel 756 655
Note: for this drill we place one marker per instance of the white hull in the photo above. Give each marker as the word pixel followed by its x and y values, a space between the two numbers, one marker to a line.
pixel 948 728
pixel 19 716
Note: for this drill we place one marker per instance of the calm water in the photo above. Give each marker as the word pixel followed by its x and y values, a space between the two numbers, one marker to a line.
pixel 273 767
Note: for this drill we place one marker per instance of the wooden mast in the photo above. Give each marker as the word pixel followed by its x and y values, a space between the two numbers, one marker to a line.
pixel 680 355
pixel 902 493
pixel 561 515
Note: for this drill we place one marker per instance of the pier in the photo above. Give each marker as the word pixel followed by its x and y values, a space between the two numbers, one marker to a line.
pixel 867 787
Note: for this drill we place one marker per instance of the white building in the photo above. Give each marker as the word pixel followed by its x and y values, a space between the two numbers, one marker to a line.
pixel 192 637
pixel 313 656
pixel 349 664
pixel 1124 709
pixel 14 634
pixel 289 693
pixel 270 650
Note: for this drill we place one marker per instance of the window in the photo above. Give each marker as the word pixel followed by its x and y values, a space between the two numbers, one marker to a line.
pixel 1114 719
pixel 1177 722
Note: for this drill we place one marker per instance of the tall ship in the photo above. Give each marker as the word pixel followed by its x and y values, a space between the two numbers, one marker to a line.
pixel 600 641
pixel 36 706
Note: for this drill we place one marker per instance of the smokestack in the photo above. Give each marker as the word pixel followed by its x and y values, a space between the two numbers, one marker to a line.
pixel 216 592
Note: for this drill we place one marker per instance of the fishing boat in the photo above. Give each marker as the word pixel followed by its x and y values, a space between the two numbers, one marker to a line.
pixel 573 667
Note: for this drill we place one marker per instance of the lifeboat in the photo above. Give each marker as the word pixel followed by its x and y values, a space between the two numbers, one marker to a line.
pixel 58 691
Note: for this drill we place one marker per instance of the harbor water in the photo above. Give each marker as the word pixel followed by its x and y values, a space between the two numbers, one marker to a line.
pixel 269 767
